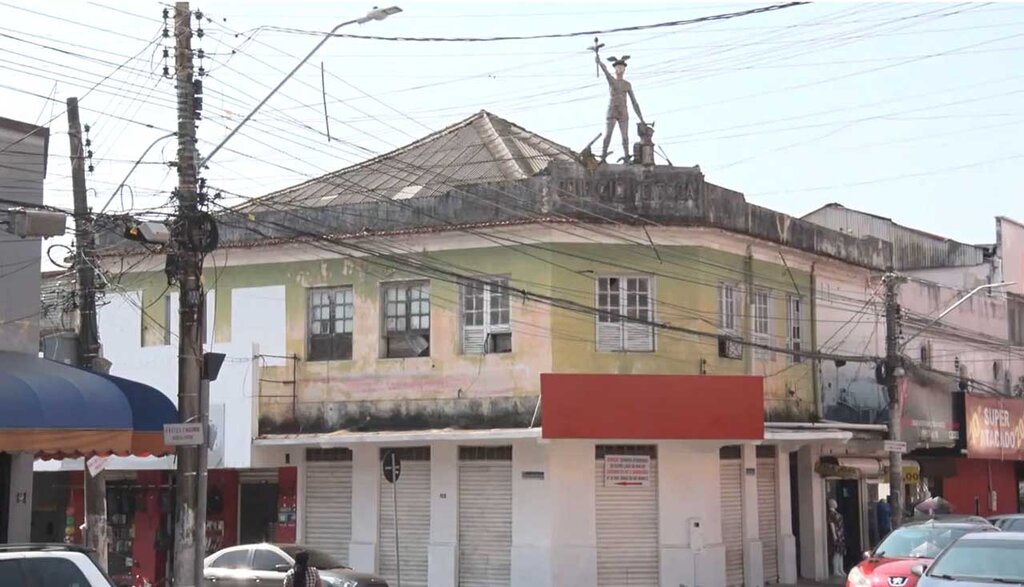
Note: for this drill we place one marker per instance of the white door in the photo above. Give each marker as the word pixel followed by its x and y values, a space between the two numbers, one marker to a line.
pixel 627 521
pixel 731 473
pixel 768 517
pixel 413 495
pixel 327 513
pixel 485 516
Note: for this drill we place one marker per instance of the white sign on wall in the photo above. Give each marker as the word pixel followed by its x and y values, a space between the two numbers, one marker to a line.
pixel 627 470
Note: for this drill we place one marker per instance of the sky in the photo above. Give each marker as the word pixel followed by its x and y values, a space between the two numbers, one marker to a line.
pixel 906 110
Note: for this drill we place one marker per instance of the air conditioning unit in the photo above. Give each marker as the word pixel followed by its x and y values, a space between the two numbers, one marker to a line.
pixel 729 348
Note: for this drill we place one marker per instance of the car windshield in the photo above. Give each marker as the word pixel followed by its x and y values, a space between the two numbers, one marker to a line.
pixel 925 541
pixel 318 559
pixel 982 560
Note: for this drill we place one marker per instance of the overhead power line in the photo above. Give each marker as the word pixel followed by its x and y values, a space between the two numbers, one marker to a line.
pixel 642 27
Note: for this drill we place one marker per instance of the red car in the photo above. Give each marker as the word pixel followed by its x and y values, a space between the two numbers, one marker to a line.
pixel 916 542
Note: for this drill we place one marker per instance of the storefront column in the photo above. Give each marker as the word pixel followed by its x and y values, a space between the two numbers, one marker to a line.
pixel 573 513
pixel 362 551
pixel 444 514
pixel 813 540
pixel 690 520
pixel 753 553
pixel 531 515
pixel 787 542
pixel 19 505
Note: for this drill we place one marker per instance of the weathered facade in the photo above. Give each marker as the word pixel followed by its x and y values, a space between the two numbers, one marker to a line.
pixel 423 296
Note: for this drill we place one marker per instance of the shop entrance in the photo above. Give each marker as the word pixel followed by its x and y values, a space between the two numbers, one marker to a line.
pixel 258 509
pixel 846 492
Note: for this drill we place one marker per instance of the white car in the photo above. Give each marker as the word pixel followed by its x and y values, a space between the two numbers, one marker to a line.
pixel 263 565
pixel 52 565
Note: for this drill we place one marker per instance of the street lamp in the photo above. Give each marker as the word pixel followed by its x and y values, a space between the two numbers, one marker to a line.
pixel 374 14
pixel 955 305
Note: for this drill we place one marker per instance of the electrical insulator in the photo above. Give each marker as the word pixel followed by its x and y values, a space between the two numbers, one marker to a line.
pixel 88 142
pixel 167 33
pixel 200 33
pixel 197 87
pixel 200 53
pixel 166 53
pixel 197 107
pixel 199 15
pixel 167 14
pixel 167 71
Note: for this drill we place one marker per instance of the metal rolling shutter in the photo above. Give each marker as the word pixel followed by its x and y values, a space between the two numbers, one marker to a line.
pixel 768 517
pixel 327 514
pixel 627 526
pixel 731 474
pixel 485 516
pixel 413 519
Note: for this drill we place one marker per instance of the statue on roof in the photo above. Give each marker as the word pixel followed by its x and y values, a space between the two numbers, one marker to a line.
pixel 618 109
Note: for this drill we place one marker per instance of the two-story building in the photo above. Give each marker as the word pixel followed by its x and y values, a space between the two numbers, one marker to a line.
pixel 590 376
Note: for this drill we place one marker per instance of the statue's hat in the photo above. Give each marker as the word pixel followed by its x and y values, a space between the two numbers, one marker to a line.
pixel 619 60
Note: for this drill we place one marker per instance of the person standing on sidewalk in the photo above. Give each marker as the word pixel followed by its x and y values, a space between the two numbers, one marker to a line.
pixel 301 574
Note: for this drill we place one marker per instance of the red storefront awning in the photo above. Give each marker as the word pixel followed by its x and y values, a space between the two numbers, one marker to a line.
pixel 652 407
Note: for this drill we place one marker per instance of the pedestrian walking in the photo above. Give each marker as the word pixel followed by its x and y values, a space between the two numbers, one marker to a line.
pixel 301 574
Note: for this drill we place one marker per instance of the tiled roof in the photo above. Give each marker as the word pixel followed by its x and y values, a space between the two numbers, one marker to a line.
pixel 483 148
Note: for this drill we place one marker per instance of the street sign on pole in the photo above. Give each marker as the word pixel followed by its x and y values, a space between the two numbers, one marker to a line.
pixel 392 466
pixel 187 434
pixel 899 446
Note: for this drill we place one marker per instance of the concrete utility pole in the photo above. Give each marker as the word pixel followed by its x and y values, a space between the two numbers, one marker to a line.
pixel 189 268
pixel 893 373
pixel 96 535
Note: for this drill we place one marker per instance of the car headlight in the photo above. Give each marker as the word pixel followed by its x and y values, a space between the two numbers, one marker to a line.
pixel 335 582
pixel 856 578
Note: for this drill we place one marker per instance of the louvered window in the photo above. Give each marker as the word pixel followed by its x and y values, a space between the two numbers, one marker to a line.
pixel 331 320
pixel 406 320
pixel 762 321
pixel 794 315
pixel 486 318
pixel 727 302
pixel 625 312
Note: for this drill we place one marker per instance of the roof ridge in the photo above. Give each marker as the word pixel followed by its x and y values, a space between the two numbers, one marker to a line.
pixel 432 136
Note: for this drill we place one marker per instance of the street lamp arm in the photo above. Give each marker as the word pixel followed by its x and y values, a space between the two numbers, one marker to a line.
pixel 955 305
pixel 375 14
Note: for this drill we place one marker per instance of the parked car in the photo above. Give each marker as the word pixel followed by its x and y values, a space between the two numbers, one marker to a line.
pixel 1008 522
pixel 890 564
pixel 975 560
pixel 52 565
pixel 260 565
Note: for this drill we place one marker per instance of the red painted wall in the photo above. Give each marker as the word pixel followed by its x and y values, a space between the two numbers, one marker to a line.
pixel 972 480
pixel 149 562
pixel 669 407
pixel 226 482
pixel 287 490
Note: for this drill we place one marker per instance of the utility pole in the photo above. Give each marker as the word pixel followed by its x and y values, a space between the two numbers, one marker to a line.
pixel 88 336
pixel 893 373
pixel 188 261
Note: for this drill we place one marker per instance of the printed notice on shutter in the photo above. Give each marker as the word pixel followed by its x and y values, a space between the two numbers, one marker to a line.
pixel 627 470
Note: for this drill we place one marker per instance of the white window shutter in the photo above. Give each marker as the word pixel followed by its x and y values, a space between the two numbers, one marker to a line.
pixel 638 337
pixel 609 337
pixel 473 340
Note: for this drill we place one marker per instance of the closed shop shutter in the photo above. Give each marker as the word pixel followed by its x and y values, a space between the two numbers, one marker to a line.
pixel 413 489
pixel 327 514
pixel 257 476
pixel 768 517
pixel 627 525
pixel 485 516
pixel 731 473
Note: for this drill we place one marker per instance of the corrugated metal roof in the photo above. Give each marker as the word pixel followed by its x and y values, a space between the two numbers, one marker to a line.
pixel 912 248
pixel 483 148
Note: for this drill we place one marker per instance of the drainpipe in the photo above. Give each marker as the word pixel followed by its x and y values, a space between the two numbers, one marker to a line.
pixel 748 320
pixel 815 365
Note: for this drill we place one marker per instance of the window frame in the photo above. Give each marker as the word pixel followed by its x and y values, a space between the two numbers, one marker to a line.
pixel 621 319
pixel 757 320
pixel 731 311
pixel 794 325
pixel 331 320
pixel 486 286
pixel 386 334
